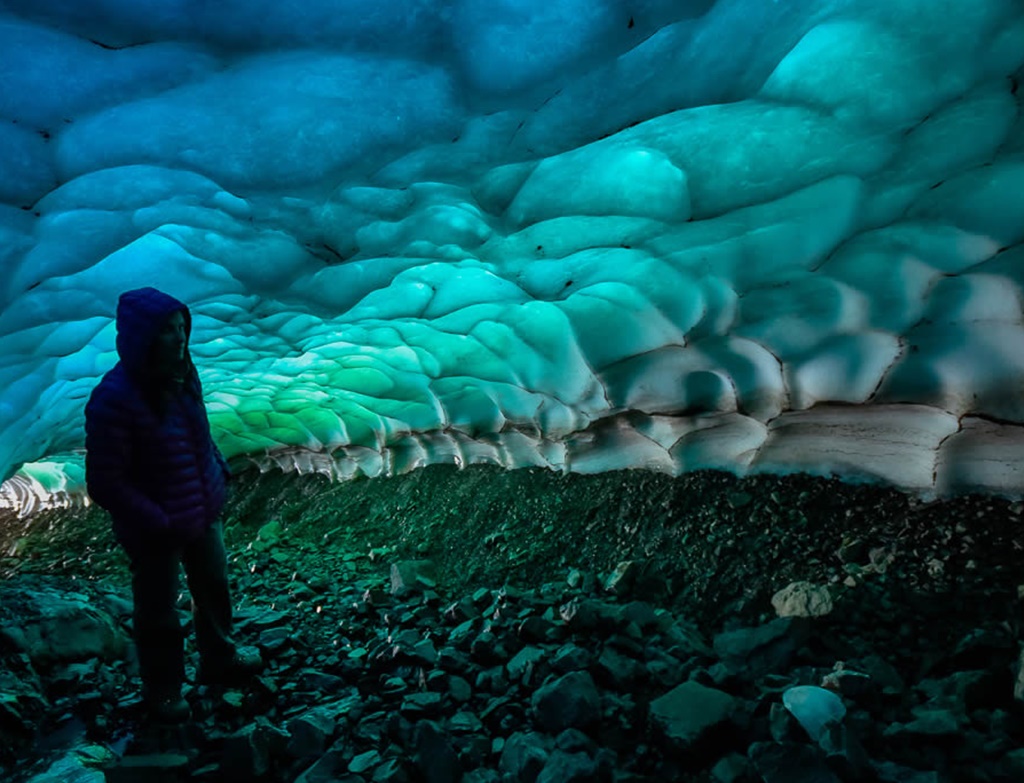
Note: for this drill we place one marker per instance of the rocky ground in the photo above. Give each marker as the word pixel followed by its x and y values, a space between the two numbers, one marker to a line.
pixel 481 625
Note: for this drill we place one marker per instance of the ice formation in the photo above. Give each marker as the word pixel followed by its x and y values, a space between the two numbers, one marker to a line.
pixel 592 235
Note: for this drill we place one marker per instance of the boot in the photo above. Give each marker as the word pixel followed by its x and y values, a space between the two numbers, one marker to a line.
pixel 165 705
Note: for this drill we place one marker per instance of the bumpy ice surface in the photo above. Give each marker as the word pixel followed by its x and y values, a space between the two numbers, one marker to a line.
pixel 586 235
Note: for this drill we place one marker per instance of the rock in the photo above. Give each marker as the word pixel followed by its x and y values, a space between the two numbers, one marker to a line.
pixel 883 674
pixel 522 663
pixel 71 768
pixel 621 580
pixel 274 640
pixel 22 703
pixel 434 756
pixel 523 757
pixel 685 641
pixel 802 599
pixel 310 732
pixel 247 752
pixel 462 633
pixel 473 750
pixel 589 615
pixel 318 681
pixel 417 705
pixel 492 680
pixel 465 723
pixel 847 682
pixel 459 689
pixel 790 762
pixel 663 669
pixel 852 550
pixel 928 723
pixel 268 536
pixel 844 753
pixel 323 770
pixel 689 712
pixel 535 629
pixel 391 771
pixel 267 619
pixel 423 652
pixel 580 580
pixel 888 772
pixel 982 648
pixel 783 726
pixel 486 648
pixel 574 740
pixel 59 626
pixel 1018 684
pixel 570 701
pixel 763 648
pixel 156 767
pixel 501 713
pixel 730 769
pixel 618 670
pixel 452 660
pixel 460 611
pixel 1013 764
pixel 966 691
pixel 364 762
pixel 409 575
pixel 570 658
pixel 482 776
pixel 814 708
pixel 562 767
pixel 646 617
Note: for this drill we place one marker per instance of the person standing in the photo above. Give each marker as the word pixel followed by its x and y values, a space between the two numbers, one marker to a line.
pixel 152 464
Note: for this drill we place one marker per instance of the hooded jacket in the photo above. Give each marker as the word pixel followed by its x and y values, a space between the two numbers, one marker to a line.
pixel 150 460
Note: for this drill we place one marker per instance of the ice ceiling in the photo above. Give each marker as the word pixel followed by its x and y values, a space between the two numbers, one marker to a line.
pixel 585 234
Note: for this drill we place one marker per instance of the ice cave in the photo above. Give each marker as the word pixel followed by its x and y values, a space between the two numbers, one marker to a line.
pixel 523 276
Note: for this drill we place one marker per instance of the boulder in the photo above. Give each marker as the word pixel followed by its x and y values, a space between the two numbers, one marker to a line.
pixel 570 701
pixel 687 713
pixel 802 599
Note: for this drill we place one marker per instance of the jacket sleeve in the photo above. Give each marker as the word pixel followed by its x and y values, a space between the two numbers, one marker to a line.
pixel 107 460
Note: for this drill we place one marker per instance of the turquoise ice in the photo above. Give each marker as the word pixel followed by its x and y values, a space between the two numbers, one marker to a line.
pixel 743 235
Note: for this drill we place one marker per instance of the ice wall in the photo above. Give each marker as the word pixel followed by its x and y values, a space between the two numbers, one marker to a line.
pixel 586 234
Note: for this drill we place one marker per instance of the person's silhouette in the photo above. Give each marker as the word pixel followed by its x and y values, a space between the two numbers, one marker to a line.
pixel 152 464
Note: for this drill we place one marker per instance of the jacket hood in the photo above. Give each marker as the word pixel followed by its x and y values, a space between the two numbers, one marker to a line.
pixel 141 314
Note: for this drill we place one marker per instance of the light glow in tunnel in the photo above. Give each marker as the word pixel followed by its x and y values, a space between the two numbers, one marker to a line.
pixel 722 234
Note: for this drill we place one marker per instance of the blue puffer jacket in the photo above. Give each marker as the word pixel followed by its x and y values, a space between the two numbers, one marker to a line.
pixel 150 460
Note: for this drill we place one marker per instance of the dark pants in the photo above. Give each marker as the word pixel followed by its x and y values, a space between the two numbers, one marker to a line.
pixel 158 633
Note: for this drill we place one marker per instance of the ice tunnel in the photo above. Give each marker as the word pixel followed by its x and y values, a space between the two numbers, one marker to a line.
pixel 752 236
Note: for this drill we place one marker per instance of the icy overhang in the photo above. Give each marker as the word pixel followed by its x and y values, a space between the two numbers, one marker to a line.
pixel 750 236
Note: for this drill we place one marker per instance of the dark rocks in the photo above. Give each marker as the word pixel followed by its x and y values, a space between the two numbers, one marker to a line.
pixel 571 657
pixel 524 756
pixel 520 668
pixel 562 767
pixel 58 625
pixel 570 701
pixel 763 648
pixel 434 756
pixel 157 767
pixel 247 752
pixel 409 575
pixel 687 713
pixel 595 678
pixel 1018 677
pixel 790 762
pixel 310 732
